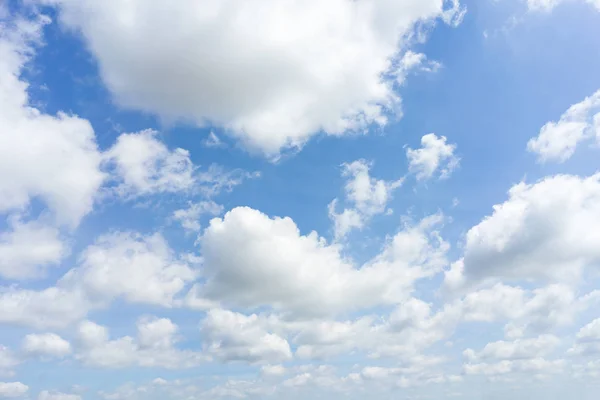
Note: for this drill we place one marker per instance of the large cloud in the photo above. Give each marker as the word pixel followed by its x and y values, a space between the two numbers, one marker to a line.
pixel 274 265
pixel 273 73
pixel 53 158
pixel 544 231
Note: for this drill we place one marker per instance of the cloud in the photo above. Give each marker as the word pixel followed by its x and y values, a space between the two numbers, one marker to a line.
pixel 46 395
pixel 153 347
pixel 519 349
pixel 189 217
pixel 545 231
pixel 557 141
pixel 275 266
pixel 46 344
pixel 144 165
pixel 137 268
pixel 129 266
pixel 231 336
pixel 587 340
pixel 365 195
pixel 314 67
pixel 8 360
pixel 412 61
pixel 435 154
pixel 29 248
pixel 53 307
pixel 12 389
pixel 41 156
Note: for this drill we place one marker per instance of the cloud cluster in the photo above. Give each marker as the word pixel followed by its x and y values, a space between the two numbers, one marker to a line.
pixel 272 87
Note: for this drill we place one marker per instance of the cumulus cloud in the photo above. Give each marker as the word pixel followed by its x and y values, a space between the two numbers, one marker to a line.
pixel 231 336
pixel 41 156
pixel 519 349
pixel 414 62
pixel 545 231
pixel 153 347
pixel 587 340
pixel 435 154
pixel 45 344
pixel 365 195
pixel 13 389
pixel 311 67
pixel 137 268
pixel 557 141
pixel 144 165
pixel 275 266
pixel 121 265
pixel 27 249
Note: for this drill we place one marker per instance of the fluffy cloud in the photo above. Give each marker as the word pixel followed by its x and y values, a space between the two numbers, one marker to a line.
pixel 137 268
pixel 154 346
pixel 587 339
pixel 435 154
pixel 144 165
pixel 121 265
pixel 544 231
pixel 367 197
pixel 41 156
pixel 46 344
pixel 516 350
pixel 53 307
pixel 46 395
pixel 12 389
pixel 28 248
pixel 232 336
pixel 310 67
pixel 557 141
pixel 275 266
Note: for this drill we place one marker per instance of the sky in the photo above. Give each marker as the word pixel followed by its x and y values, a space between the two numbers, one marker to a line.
pixel 281 199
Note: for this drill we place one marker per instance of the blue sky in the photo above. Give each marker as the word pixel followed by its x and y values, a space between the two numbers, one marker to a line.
pixel 393 199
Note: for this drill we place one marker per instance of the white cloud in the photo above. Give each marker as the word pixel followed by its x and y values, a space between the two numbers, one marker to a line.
pixel 544 231
pixel 412 61
pixel 144 165
pixel 367 197
pixel 41 156
pixel 435 154
pixel 28 248
pixel 54 307
pixel 189 217
pixel 12 389
pixel 121 265
pixel 45 344
pixel 531 367
pixel 154 346
pixel 587 340
pixel 519 349
pixel 46 395
pixel 557 141
pixel 8 361
pixel 137 268
pixel 231 336
pixel 310 67
pixel 273 265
